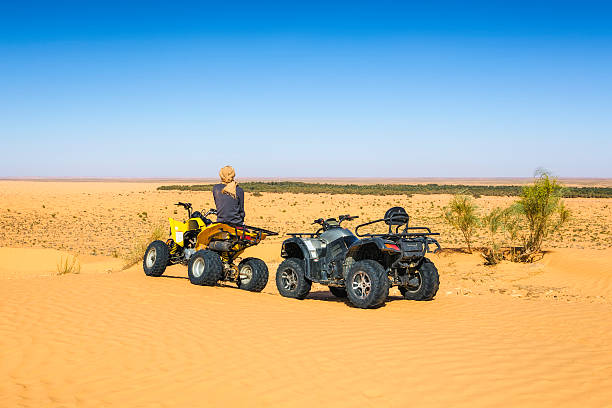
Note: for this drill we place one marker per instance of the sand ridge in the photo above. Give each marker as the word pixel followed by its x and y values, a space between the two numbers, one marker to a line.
pixel 123 339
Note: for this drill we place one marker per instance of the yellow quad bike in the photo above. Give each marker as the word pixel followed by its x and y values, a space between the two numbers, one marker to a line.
pixel 209 249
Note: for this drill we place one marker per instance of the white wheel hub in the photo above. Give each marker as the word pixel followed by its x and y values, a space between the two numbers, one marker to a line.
pixel 198 267
pixel 151 257
pixel 246 274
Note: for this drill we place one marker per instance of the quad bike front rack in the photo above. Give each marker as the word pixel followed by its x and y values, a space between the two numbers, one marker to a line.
pixel 303 234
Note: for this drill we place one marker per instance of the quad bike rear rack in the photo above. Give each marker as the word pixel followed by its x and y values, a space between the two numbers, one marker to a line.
pixel 423 236
pixel 241 231
pixel 397 233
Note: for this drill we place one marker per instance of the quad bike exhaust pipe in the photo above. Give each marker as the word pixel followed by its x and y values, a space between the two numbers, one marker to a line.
pixel 221 246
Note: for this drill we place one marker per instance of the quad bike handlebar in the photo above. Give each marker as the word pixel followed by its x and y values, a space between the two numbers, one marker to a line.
pixel 332 222
pixel 211 211
pixel 347 217
pixel 188 207
pixel 325 224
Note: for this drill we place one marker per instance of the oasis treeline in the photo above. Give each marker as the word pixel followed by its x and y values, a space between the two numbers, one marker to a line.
pixel 392 189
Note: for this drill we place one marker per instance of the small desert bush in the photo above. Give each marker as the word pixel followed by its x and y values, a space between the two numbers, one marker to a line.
pixel 536 215
pixel 136 253
pixel 461 214
pixel 69 265
pixel 495 225
pixel 544 210
pixel 527 223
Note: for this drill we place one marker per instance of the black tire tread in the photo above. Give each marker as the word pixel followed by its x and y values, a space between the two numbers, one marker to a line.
pixel 380 284
pixel 161 262
pixel 430 283
pixel 213 271
pixel 304 284
pixel 260 275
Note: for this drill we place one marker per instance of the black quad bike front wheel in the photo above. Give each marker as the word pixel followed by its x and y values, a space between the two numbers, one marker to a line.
pixel 253 275
pixel 156 258
pixel 423 283
pixel 367 284
pixel 291 279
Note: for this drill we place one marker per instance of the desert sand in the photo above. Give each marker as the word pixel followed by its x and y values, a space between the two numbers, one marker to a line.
pixel 511 335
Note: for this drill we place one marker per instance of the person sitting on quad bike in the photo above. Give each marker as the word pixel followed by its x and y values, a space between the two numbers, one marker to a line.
pixel 229 198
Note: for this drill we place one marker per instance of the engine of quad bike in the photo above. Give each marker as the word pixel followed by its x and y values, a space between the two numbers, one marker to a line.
pixel 190 238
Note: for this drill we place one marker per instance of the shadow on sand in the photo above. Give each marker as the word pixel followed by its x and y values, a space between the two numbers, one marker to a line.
pixel 322 295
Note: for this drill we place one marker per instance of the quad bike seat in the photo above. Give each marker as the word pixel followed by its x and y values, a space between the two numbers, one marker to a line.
pixel 396 216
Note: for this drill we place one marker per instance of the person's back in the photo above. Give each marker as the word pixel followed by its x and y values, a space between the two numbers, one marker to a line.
pixel 229 209
pixel 229 198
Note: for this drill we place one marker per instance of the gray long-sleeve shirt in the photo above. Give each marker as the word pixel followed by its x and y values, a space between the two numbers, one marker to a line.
pixel 229 209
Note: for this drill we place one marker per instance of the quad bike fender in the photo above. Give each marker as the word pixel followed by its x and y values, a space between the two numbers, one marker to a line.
pixel 363 248
pixel 296 248
pixel 196 223
pixel 213 231
pixel 177 230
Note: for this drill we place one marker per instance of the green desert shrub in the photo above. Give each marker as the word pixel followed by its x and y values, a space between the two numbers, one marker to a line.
pixel 495 224
pixel 527 223
pixel 461 214
pixel 541 211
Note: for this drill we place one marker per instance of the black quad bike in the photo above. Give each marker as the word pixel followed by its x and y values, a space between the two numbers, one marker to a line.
pixel 362 266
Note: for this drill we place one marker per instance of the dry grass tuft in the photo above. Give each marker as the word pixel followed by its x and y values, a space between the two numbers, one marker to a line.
pixel 69 265
pixel 136 254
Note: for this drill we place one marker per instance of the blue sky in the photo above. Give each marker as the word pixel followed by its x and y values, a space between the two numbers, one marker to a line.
pixel 336 89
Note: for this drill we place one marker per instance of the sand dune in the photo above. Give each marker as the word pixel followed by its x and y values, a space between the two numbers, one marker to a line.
pixel 512 335
pixel 30 262
pixel 123 339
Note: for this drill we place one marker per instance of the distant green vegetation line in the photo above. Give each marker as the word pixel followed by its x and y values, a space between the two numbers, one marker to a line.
pixel 391 189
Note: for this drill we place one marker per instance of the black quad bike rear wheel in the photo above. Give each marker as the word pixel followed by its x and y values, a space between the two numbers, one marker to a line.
pixel 367 284
pixel 423 284
pixel 156 258
pixel 253 274
pixel 205 268
pixel 291 279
